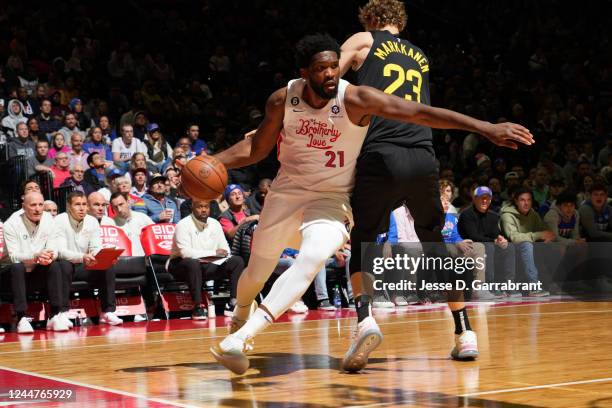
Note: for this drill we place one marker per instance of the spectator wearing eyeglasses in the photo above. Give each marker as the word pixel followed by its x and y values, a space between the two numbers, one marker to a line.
pixel 60 169
pixel 76 180
pixel 185 144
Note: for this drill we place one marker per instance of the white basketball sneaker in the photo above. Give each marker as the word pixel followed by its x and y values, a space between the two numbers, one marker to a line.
pixel 231 353
pixel 366 337
pixel 466 346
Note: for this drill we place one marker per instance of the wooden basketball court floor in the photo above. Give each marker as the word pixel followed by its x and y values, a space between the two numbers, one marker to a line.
pixel 551 353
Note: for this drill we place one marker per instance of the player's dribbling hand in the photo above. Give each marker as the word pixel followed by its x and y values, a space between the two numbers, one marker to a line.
pixel 508 134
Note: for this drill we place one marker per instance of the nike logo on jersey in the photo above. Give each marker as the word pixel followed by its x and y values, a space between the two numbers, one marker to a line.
pixel 297 110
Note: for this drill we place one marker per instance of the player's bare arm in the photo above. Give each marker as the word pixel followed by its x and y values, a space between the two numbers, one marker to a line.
pixel 257 147
pixel 354 51
pixel 364 101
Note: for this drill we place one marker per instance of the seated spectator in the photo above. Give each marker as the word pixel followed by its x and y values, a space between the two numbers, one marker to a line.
pixel 60 169
pixel 95 175
pixel 76 108
pixel 139 161
pixel 159 207
pixel 76 180
pixel 34 131
pixel 255 200
pixel 58 144
pixel 21 145
pixel 197 145
pixel 95 143
pixel 70 126
pixel 584 194
pixel 237 213
pixel 556 187
pixel 124 186
pixel 185 144
pixel 27 238
pixel 139 182
pixel 77 238
pixel 47 124
pixel 540 188
pixel 40 161
pixel 124 147
pixel 596 215
pixel 131 222
pixel 158 150
pixel 563 219
pixel 522 226
pixel 200 252
pixel 480 224
pixel 50 207
pixel 512 180
pixel 496 188
pixel 108 132
pixel 179 159
pixel 174 178
pixel 77 154
pixel 458 246
pixel 97 208
pixel 110 188
pixel 13 118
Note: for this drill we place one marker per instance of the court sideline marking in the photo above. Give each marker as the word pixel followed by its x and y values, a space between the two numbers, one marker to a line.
pixel 285 331
pixel 96 387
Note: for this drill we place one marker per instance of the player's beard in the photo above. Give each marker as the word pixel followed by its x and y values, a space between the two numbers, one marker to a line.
pixel 319 90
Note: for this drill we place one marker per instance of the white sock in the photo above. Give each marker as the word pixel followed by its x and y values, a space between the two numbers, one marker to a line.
pixel 257 323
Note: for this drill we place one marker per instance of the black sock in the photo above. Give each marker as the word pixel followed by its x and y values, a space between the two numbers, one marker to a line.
pixel 462 322
pixel 55 310
pixel 362 305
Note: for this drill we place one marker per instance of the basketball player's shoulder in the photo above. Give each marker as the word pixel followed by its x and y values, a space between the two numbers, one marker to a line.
pixel 358 41
pixel 277 98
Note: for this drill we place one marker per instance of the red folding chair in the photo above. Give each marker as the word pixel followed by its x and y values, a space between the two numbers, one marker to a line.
pixel 156 241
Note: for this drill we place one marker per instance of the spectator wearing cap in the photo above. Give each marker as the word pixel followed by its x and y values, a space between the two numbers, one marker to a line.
pixel 457 245
pixel 557 186
pixel 522 226
pixel 197 145
pixel 76 180
pixel 158 206
pixel 60 169
pixel 110 187
pixel 76 107
pixel 95 175
pixel 158 150
pixel 237 213
pixel 596 215
pixel 140 125
pixel 480 224
pixel 124 147
pixel 96 144
pixel 77 154
pixel 139 182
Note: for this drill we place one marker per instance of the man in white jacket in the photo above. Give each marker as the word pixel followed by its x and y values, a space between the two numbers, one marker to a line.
pixel 199 248
pixel 131 222
pixel 27 238
pixel 77 237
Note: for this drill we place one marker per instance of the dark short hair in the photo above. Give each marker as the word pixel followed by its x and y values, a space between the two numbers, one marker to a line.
pixel 520 191
pixel 115 195
pixel 91 157
pixel 311 45
pixel 73 195
pixel 566 197
pixel 42 141
pixel 598 187
pixel 25 183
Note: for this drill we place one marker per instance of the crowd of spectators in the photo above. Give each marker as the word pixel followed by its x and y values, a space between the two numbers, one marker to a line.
pixel 113 104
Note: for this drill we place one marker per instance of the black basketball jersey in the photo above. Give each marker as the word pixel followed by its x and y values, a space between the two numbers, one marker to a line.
pixel 396 66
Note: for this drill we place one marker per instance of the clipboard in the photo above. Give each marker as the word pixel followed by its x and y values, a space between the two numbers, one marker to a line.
pixel 105 259
pixel 217 260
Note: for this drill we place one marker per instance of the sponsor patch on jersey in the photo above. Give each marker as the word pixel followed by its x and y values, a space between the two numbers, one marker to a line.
pixel 335 109
pixel 295 100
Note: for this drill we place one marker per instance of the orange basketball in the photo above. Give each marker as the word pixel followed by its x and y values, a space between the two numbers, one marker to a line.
pixel 203 178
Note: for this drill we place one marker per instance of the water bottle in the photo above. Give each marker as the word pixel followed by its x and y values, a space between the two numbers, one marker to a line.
pixel 337 298
pixel 77 321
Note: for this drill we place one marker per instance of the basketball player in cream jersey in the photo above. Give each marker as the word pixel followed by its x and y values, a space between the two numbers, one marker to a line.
pixel 322 122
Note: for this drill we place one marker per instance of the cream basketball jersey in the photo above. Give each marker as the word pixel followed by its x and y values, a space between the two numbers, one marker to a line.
pixel 318 148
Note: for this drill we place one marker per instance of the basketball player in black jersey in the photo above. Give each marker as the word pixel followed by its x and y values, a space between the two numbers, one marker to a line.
pixel 396 165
